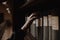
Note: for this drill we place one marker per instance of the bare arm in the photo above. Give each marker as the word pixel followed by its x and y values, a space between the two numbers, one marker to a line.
pixel 29 21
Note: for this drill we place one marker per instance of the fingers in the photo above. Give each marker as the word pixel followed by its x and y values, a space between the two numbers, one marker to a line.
pixel 33 18
pixel 32 15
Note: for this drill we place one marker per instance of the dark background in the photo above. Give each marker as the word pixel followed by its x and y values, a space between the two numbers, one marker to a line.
pixel 19 13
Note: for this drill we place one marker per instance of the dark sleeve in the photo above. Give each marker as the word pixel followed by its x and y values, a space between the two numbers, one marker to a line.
pixel 19 35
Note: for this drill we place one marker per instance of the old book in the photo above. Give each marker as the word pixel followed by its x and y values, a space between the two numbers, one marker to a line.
pixel 36 29
pixel 55 27
pixel 50 26
pixel 40 30
pixel 45 28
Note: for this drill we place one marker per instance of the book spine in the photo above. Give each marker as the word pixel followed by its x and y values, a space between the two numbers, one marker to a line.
pixel 40 30
pixel 36 31
pixel 55 27
pixel 45 28
pixel 50 26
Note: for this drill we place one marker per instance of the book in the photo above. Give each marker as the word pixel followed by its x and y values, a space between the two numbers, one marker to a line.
pixel 36 29
pixel 55 27
pixel 50 26
pixel 40 30
pixel 45 28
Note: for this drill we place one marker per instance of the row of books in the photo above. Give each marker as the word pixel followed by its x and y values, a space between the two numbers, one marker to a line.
pixel 45 28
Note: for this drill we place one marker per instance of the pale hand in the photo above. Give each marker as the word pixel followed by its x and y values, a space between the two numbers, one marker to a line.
pixel 29 21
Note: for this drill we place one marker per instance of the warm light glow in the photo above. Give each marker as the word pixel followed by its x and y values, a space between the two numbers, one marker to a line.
pixel 8 10
pixel 4 3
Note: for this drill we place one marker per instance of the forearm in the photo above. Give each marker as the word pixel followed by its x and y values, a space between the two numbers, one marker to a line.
pixel 25 26
pixel 28 22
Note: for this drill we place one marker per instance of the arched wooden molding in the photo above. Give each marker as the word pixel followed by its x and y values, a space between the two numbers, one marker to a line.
pixel 8 29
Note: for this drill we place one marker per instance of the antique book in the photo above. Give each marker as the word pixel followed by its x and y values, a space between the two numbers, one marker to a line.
pixel 50 26
pixel 36 29
pixel 55 27
pixel 45 28
pixel 40 30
